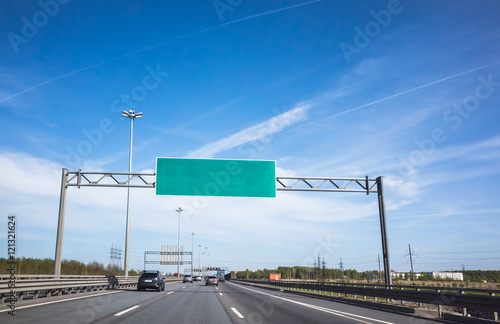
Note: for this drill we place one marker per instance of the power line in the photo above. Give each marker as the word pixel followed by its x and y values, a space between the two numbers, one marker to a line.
pixel 455 252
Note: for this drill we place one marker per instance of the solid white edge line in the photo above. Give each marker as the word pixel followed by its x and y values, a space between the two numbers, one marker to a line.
pixel 59 301
pixel 127 310
pixel 236 312
pixel 324 309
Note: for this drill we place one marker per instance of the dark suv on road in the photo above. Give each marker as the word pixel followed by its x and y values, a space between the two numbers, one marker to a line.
pixel 151 280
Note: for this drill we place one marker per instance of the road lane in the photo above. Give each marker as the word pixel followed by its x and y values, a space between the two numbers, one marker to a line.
pixel 197 303
pixel 259 305
pixel 82 308
pixel 190 303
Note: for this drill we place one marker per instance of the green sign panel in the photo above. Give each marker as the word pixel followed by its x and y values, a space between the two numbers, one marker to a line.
pixel 214 177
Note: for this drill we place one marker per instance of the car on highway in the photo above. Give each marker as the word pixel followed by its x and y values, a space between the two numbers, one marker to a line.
pixel 187 278
pixel 151 279
pixel 198 278
pixel 222 279
pixel 211 280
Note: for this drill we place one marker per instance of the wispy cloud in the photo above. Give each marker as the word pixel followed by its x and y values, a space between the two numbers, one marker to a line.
pixel 398 94
pixel 262 130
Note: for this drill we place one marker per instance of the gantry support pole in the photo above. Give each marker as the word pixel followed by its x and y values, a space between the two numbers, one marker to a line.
pixel 383 230
pixel 60 223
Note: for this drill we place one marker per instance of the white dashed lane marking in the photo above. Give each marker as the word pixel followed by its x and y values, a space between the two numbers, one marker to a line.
pixel 236 312
pixel 127 310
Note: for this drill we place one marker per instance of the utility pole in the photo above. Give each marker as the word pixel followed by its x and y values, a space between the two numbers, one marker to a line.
pixel 112 255
pixel 379 271
pixel 318 270
pixel 119 255
pixel 411 263
pixel 341 265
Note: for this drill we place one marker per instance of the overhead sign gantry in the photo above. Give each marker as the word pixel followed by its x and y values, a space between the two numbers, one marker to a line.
pixel 217 177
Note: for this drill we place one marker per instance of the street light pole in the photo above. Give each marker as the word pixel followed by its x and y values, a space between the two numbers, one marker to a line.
pixel 179 241
pixel 203 273
pixel 199 257
pixel 192 253
pixel 132 115
pixel 205 261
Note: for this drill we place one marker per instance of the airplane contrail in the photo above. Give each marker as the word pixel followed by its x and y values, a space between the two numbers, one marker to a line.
pixel 395 95
pixel 269 12
pixel 155 46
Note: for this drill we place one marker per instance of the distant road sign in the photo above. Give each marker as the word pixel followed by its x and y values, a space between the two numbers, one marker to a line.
pixel 215 177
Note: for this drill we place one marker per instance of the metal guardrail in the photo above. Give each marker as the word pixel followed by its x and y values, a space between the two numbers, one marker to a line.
pixel 442 296
pixel 35 286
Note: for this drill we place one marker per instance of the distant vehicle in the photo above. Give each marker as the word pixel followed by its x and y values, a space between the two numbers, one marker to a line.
pixel 198 278
pixel 187 278
pixel 221 279
pixel 211 280
pixel 151 280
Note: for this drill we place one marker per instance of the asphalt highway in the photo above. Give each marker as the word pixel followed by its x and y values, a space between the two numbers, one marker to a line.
pixel 197 303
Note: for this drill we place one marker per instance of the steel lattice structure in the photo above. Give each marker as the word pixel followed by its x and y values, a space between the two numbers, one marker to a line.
pixel 143 180
pixel 110 179
pixel 363 185
pixel 166 262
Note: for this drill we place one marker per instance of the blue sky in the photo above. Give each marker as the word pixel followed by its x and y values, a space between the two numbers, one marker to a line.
pixel 408 90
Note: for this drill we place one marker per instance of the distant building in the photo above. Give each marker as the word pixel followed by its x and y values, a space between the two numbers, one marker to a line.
pixel 446 275
pixel 404 275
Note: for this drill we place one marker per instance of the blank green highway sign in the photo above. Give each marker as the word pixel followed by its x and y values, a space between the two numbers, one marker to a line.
pixel 214 177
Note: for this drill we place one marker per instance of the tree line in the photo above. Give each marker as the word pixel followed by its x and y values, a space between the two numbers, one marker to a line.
pixel 312 273
pixel 68 267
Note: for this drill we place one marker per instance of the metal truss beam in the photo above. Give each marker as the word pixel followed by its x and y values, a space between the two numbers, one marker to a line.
pixel 110 179
pixel 167 253
pixel 363 185
pixel 168 262
pixel 179 253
